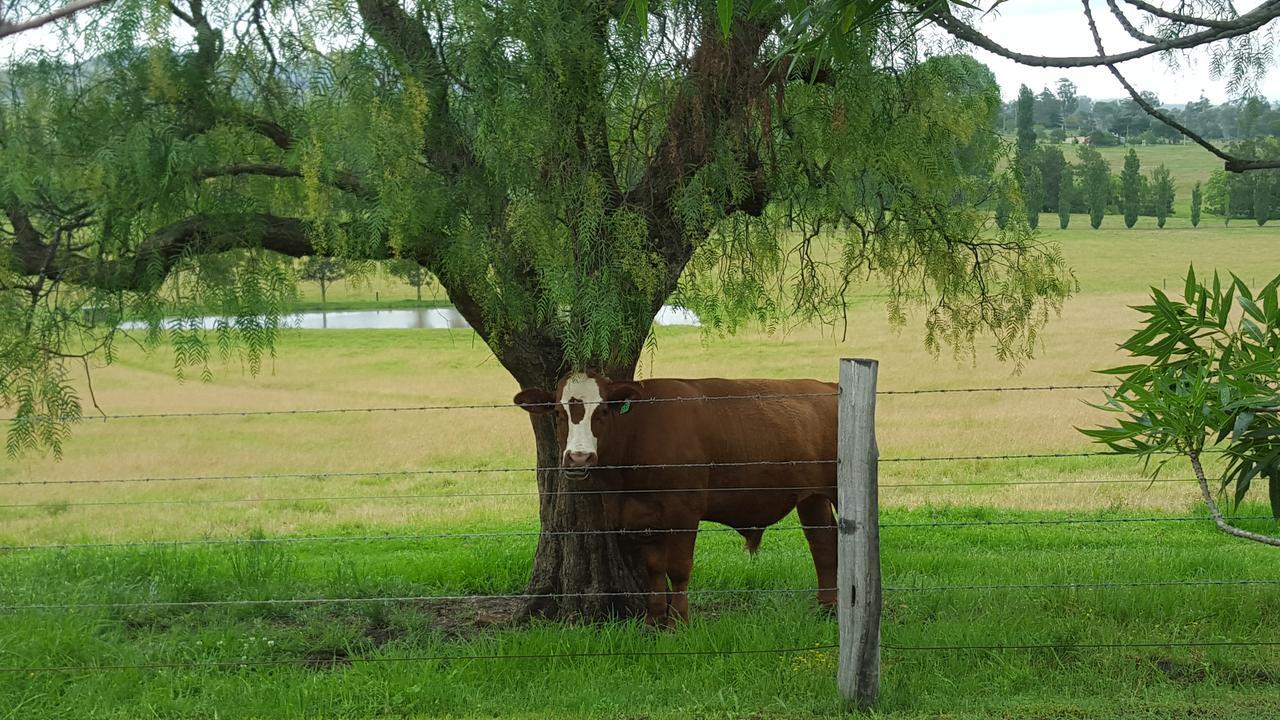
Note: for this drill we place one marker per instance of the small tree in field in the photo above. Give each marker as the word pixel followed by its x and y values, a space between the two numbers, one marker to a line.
pixel 323 270
pixel 1208 374
pixel 1163 188
pixel 1097 183
pixel 410 272
pixel 1196 201
pixel 1261 198
pixel 1130 188
pixel 1065 195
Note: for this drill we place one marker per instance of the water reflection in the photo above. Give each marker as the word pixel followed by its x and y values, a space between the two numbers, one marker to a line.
pixel 441 318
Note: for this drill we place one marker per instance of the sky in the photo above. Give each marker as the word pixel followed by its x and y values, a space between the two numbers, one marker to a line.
pixel 1058 27
pixel 1043 27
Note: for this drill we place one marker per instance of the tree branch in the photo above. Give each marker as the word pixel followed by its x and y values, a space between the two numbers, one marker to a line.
pixel 1129 27
pixel 71 8
pixel 1231 162
pixel 1179 17
pixel 346 182
pixel 1227 29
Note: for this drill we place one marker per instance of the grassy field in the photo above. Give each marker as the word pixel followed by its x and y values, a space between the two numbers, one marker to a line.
pixel 348 660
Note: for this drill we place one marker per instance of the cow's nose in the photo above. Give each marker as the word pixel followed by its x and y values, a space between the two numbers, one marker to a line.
pixel 580 459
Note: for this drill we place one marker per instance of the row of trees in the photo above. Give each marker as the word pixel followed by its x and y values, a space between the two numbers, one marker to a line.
pixel 1059 113
pixel 1047 182
pixel 1253 195
pixel 325 270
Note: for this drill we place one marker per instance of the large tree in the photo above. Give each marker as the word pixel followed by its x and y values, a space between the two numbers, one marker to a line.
pixel 560 171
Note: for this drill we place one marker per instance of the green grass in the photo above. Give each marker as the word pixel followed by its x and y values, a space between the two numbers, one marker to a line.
pixel 328 369
pixel 1057 683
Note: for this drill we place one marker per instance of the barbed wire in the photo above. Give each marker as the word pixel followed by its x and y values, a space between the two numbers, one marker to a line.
pixel 423 472
pixel 535 493
pixel 1086 646
pixel 1101 585
pixel 399 537
pixel 236 602
pixel 337 659
pixel 1067 521
pixel 405 408
pixel 624 532
pixel 537 469
pixel 505 406
pixel 482 597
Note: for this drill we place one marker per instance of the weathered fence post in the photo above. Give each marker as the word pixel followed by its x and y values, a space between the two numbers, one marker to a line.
pixel 858 576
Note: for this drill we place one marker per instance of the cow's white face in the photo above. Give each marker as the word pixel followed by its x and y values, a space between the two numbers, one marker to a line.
pixel 580 397
pixel 585 405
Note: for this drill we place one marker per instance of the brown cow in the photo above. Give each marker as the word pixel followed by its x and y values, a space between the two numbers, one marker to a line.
pixel 601 423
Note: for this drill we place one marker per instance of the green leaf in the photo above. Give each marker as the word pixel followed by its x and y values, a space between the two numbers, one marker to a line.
pixel 724 8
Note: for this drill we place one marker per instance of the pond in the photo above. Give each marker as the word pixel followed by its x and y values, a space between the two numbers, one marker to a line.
pixel 441 318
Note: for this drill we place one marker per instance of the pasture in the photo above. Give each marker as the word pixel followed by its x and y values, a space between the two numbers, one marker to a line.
pixel 358 659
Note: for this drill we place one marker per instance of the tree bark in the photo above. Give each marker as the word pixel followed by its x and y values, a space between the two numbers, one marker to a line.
pixel 577 577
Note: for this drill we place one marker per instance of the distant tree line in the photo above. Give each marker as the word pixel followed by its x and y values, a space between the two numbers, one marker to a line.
pixel 1059 115
pixel 1048 182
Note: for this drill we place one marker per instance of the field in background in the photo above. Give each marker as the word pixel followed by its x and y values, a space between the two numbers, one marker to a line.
pixel 1188 164
pixel 336 369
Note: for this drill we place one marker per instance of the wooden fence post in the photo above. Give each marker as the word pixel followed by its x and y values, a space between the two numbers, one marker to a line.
pixel 858 576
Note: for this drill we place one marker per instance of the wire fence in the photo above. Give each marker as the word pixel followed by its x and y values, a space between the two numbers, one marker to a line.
pixel 336 660
pixel 508 406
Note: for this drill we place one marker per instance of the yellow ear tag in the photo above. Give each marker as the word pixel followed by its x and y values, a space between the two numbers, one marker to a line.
pixel 626 408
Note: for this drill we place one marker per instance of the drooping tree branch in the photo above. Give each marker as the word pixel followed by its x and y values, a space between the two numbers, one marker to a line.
pixel 346 182
pixel 1224 30
pixel 1128 26
pixel 1232 163
pixel 71 8
pixel 1179 17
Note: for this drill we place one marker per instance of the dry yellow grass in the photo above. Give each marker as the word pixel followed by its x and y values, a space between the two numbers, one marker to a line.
pixel 346 369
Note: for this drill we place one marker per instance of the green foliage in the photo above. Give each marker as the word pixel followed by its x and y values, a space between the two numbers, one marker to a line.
pixel 1096 185
pixel 518 176
pixel 1066 194
pixel 1262 192
pixel 1130 188
pixel 1027 159
pixel 323 270
pixel 1197 199
pixel 1163 191
pixel 1208 373
pixel 412 273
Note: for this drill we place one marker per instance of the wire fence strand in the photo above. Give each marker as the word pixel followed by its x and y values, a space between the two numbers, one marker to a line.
pixel 507 406
pixel 534 493
pixel 406 473
pixel 1100 585
pixel 623 532
pixel 400 537
pixel 335 659
pixel 536 469
pixel 1086 645
pixel 250 602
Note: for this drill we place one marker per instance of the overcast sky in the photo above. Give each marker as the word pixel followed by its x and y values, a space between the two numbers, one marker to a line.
pixel 1044 27
pixel 1058 27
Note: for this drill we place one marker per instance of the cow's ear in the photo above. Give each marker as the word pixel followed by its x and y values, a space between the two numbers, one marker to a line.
pixel 620 394
pixel 535 401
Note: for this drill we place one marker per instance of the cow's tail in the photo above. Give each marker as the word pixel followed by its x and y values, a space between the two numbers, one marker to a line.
pixel 753 537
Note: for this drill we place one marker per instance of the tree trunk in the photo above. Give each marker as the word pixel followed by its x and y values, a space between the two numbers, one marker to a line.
pixel 322 289
pixel 577 577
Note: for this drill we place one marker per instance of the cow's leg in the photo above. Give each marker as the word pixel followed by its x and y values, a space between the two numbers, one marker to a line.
pixel 816 515
pixel 654 554
pixel 679 568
